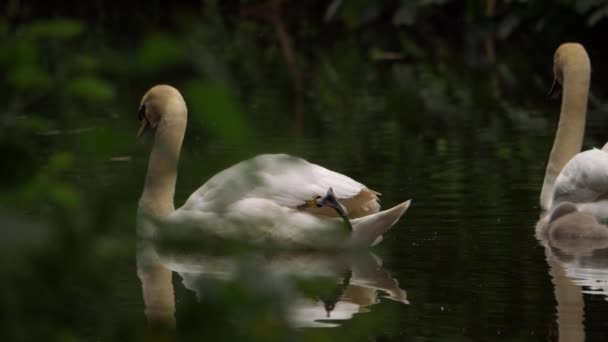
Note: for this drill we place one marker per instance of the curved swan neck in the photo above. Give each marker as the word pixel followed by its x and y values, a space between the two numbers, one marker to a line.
pixel 159 187
pixel 576 74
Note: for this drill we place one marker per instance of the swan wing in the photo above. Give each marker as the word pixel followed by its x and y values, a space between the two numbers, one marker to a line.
pixel 261 221
pixel 584 178
pixel 288 181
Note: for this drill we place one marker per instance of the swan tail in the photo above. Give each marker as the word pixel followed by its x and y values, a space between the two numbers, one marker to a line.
pixel 605 148
pixel 368 230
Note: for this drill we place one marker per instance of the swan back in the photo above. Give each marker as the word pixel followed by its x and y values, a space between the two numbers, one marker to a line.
pixel 584 179
pixel 286 180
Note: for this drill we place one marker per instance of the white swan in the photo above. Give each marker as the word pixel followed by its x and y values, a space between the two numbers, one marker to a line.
pixel 576 183
pixel 266 199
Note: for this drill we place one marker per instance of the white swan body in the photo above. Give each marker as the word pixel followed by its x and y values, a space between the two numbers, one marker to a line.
pixel 584 179
pixel 256 200
pixel 285 180
pixel 262 194
pixel 573 198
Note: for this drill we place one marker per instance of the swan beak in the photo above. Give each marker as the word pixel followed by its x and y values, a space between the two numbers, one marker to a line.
pixel 142 127
pixel 556 89
pixel 331 201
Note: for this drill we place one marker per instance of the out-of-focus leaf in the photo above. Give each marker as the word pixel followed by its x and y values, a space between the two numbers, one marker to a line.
pixel 57 28
pixel 377 54
pixel 60 162
pixel 3 27
pixel 159 51
pixel 331 10
pixel 86 63
pixel 584 6
pixel 597 15
pixel 91 89
pixel 372 11
pixel 65 195
pixel 410 47
pixel 33 123
pixel 508 25
pixel 103 142
pixel 28 77
pixel 432 2
pixel 218 110
pixel 23 166
pixel 19 52
pixel 358 12
pixel 406 14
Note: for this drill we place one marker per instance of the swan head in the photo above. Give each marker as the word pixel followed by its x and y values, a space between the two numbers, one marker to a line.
pixel 161 102
pixel 567 56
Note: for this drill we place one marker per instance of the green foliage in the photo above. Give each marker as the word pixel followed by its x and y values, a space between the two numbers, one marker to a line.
pixel 59 29
pixel 90 89
pixel 158 51
pixel 215 108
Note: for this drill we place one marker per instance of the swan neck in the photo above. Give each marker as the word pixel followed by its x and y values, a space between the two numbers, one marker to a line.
pixel 159 187
pixel 571 128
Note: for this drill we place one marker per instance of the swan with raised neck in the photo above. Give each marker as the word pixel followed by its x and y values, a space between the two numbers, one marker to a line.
pixel 259 200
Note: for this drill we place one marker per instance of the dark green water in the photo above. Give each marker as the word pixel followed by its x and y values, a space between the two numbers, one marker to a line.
pixel 464 137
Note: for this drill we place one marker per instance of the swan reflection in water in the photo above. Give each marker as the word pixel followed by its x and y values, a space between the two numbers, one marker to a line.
pixel 576 271
pixel 351 282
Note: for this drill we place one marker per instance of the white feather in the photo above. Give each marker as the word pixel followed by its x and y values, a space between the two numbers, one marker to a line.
pixel 255 200
pixel 284 179
pixel 584 179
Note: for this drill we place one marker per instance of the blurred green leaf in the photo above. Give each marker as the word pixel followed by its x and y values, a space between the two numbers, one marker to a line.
pixel 103 142
pixel 406 14
pixel 60 162
pixel 508 25
pixel 33 123
pixel 65 195
pixel 3 27
pixel 159 51
pixel 56 28
pixel 332 9
pixel 597 15
pixel 29 77
pixel 357 12
pixel 21 158
pixel 216 109
pixel 91 89
pixel 86 63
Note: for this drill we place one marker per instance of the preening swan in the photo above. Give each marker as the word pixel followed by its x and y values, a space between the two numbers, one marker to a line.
pixel 573 196
pixel 266 199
